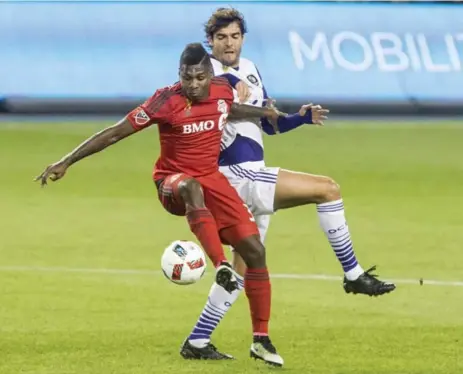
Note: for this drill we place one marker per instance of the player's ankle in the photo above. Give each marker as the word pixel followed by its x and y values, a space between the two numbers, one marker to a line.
pixel 258 336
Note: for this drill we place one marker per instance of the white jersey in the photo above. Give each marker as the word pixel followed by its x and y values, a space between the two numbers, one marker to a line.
pixel 242 148
pixel 242 141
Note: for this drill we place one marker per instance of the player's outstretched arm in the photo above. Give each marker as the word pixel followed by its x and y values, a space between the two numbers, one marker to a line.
pixel 94 144
pixel 239 111
pixel 308 114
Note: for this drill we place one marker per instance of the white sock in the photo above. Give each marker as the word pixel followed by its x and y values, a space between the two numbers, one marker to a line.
pixel 218 304
pixel 334 225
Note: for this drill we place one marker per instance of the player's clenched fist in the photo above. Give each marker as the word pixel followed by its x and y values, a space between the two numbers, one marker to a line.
pixel 54 172
pixel 319 114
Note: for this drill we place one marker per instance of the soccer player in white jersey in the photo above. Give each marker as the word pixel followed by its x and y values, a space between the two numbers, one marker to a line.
pixel 266 189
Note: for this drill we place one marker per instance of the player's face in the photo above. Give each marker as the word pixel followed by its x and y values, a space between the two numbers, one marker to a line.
pixel 226 44
pixel 195 81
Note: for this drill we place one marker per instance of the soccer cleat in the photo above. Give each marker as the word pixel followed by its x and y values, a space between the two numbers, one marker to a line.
pixel 225 277
pixel 263 349
pixel 209 352
pixel 368 284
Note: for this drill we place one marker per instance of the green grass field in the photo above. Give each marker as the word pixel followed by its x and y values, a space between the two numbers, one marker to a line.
pixel 402 187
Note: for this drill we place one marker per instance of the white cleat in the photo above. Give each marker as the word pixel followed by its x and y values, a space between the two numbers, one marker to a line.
pixel 263 349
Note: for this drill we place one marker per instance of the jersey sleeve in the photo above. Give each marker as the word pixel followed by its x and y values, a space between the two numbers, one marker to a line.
pixel 154 110
pixel 262 82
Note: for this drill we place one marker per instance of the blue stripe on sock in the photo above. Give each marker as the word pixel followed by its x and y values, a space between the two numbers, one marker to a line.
pixel 212 313
pixel 350 266
pixel 339 246
pixel 340 238
pixel 207 322
pixel 201 326
pixel 330 208
pixel 344 251
pixel 207 316
pixel 215 309
pixel 196 336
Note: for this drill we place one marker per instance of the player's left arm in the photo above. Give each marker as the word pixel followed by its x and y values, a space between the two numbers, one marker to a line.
pixel 240 111
pixel 308 114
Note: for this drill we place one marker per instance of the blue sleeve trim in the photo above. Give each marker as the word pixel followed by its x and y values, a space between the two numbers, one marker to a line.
pixel 231 79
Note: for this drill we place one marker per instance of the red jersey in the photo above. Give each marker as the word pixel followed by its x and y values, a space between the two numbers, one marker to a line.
pixel 190 134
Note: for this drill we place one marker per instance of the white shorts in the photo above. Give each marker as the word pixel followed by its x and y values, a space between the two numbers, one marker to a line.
pixel 256 186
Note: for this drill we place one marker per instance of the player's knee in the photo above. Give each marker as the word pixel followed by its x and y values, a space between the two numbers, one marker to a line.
pixel 191 192
pixel 331 190
pixel 252 251
pixel 238 264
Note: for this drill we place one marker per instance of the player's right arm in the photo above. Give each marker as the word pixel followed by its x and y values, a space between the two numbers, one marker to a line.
pixel 92 145
pixel 143 116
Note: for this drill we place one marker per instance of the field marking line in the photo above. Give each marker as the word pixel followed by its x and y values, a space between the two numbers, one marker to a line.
pixel 319 277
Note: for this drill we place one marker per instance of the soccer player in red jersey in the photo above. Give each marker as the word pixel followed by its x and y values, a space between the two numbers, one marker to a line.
pixel 191 115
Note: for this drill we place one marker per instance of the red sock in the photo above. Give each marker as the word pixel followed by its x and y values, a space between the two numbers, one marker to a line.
pixel 259 293
pixel 203 225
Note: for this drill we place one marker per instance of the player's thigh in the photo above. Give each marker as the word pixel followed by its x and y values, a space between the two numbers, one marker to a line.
pixel 169 195
pixel 238 263
pixel 296 189
pixel 256 187
pixel 263 191
pixel 234 220
pixel 242 185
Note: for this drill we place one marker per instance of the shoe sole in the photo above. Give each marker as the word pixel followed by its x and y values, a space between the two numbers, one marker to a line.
pixel 224 277
pixel 349 290
pixel 256 357
pixel 189 355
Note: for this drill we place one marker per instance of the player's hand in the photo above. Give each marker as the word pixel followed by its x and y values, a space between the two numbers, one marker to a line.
pixel 270 103
pixel 319 114
pixel 274 114
pixel 243 92
pixel 53 172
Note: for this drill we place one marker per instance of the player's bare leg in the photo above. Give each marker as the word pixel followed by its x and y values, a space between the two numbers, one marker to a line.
pixel 203 225
pixel 295 189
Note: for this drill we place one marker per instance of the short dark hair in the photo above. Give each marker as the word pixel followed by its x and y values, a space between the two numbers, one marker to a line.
pixel 221 18
pixel 194 54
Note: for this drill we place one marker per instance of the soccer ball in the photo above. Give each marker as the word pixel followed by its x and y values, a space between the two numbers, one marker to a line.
pixel 183 262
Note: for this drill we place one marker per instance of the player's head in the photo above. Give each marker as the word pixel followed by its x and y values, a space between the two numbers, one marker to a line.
pixel 195 71
pixel 225 31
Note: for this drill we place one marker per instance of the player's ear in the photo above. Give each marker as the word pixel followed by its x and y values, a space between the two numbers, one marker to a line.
pixel 209 41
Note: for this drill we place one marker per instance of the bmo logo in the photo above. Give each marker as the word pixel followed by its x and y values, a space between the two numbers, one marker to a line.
pixel 198 127
pixel 205 125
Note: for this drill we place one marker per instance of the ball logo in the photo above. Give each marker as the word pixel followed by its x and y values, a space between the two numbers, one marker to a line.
pixel 196 264
pixel 179 251
pixel 177 271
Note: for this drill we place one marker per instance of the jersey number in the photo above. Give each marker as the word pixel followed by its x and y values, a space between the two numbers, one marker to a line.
pixel 222 120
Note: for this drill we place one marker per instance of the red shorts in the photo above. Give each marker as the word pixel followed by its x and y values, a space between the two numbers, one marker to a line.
pixel 234 220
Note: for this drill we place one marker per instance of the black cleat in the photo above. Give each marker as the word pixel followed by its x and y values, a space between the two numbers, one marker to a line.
pixel 225 277
pixel 263 349
pixel 368 284
pixel 209 352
